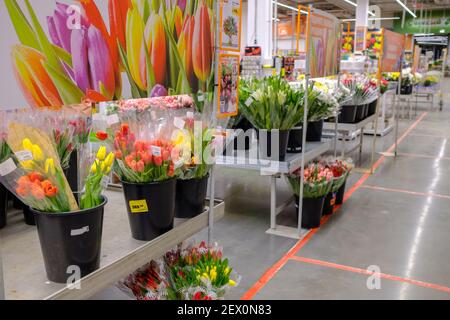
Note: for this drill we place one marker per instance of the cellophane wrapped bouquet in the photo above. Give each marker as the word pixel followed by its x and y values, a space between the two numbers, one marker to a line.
pixel 340 168
pixel 191 273
pixel 363 90
pixel 194 136
pixel 5 151
pixel 36 177
pixel 318 181
pixel 143 147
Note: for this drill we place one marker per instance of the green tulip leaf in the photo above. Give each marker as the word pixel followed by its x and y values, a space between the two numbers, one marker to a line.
pixel 24 31
pixel 69 92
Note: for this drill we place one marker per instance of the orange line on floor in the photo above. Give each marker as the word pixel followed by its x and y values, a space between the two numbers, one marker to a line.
pixel 272 271
pixel 415 155
pixel 429 135
pixel 414 193
pixel 369 273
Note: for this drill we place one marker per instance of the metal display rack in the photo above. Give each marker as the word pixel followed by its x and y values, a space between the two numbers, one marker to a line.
pixel 275 169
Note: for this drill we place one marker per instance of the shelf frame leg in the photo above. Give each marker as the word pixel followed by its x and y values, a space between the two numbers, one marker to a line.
pixel 273 202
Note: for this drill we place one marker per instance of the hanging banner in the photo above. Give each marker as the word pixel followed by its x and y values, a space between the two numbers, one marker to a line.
pixel 325 43
pixel 60 52
pixel 228 85
pixel 416 58
pixel 392 51
pixel 360 39
pixel 230 25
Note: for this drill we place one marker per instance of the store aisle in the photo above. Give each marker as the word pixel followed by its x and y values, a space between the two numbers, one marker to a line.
pixel 395 222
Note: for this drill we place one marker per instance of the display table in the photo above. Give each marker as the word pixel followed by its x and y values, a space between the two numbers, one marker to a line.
pixel 248 160
pixel 23 265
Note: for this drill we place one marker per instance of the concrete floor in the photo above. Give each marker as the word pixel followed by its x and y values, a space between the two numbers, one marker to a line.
pixel 395 221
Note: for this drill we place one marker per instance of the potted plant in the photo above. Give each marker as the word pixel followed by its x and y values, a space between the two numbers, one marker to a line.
pixel 273 108
pixel 145 165
pixel 318 181
pixel 192 182
pixel 70 235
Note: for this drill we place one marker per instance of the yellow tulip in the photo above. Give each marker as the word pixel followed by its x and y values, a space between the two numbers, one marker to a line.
pixel 135 44
pixel 227 271
pixel 232 283
pixel 37 153
pixel 27 145
pixel 109 159
pixel 50 166
pixel 28 165
pixel 95 166
pixel 101 154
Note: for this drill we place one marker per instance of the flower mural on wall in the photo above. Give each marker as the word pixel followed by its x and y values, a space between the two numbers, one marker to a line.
pixel 163 48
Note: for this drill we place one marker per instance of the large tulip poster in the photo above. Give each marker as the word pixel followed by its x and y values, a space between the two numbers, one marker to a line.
pixel 325 43
pixel 61 52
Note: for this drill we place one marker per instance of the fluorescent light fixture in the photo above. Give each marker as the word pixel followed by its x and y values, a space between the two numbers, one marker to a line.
pixel 386 18
pixel 289 7
pixel 351 2
pixel 406 8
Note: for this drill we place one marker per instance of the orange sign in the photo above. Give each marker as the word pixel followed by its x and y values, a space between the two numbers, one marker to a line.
pixel 394 44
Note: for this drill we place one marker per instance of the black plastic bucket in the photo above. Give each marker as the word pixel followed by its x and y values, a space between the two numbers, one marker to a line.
pixel 406 89
pixel 191 197
pixel 372 108
pixel 348 114
pixel 3 205
pixel 314 132
pixel 340 194
pixel 360 113
pixel 295 141
pixel 151 208
pixel 28 216
pixel 70 241
pixel 312 212
pixel 265 138
pixel 328 205
pixel 242 141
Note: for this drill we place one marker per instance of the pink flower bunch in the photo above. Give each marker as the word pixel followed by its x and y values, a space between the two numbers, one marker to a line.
pixel 163 103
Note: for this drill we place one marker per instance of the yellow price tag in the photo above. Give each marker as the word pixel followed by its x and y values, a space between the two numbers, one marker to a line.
pixel 138 206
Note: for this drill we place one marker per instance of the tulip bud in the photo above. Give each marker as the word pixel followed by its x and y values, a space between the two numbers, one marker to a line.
pixel 202 50
pixel 155 40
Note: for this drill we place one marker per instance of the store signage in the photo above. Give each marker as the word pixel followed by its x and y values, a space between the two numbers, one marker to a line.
pixel 360 39
pixel 228 85
pixel 392 51
pixel 45 62
pixel 439 20
pixel 230 25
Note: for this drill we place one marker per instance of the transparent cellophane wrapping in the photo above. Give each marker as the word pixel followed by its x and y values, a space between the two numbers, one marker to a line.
pixel 34 174
pixel 155 281
pixel 5 151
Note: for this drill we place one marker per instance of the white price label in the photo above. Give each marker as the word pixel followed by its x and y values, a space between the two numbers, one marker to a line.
pixel 190 115
pixel 249 101
pixel 113 119
pixel 7 167
pixel 79 232
pixel 156 151
pixel 201 98
pixel 178 164
pixel 179 123
pixel 24 155
pixel 105 182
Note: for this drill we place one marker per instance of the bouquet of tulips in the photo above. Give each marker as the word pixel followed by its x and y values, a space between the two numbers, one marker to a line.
pixel 362 88
pixel 271 103
pixel 143 148
pixel 37 177
pixel 199 273
pixel 196 142
pixel 97 179
pixel 340 169
pixel 5 151
pixel 318 181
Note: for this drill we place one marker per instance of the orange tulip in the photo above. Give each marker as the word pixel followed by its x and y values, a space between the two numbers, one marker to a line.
pixel 118 20
pixel 185 46
pixel 178 20
pixel 34 81
pixel 155 44
pixel 202 45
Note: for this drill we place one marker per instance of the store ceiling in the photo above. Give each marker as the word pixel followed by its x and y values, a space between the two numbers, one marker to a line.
pixel 343 10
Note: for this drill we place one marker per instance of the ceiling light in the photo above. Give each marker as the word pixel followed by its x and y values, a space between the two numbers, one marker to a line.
pixel 352 3
pixel 386 18
pixel 406 8
pixel 289 7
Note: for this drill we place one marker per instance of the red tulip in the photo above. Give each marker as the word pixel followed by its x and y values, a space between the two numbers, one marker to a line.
pixel 185 44
pixel 155 40
pixel 118 20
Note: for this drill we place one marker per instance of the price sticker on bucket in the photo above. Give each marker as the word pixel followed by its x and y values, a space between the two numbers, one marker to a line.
pixel 156 151
pixel 138 206
pixel 24 155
